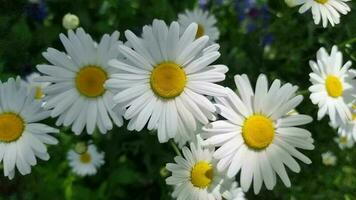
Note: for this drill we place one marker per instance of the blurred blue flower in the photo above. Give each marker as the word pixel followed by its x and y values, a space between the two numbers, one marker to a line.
pixel 37 10
pixel 253 15
pixel 267 39
pixel 203 4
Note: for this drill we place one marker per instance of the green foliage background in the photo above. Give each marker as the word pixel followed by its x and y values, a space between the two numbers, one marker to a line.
pixel 134 160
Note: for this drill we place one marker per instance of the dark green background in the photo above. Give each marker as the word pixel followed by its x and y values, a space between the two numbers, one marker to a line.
pixel 134 160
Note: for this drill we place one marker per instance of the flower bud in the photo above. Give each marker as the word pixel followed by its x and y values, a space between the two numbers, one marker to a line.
pixel 70 21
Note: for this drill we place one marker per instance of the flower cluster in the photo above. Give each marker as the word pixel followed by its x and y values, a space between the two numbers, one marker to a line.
pixel 167 80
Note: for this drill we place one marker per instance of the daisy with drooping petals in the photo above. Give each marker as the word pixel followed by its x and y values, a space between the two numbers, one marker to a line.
pixel 205 20
pixel 234 193
pixel 323 10
pixel 164 80
pixel 347 130
pixel 86 163
pixel 77 94
pixel 333 85
pixel 258 137
pixel 37 86
pixel 22 138
pixel 195 175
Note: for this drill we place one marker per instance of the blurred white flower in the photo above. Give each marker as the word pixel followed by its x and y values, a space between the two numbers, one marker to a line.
pixel 329 158
pixel 86 163
pixel 70 21
pixel 344 142
pixel 37 86
pixel 347 129
pixel 205 20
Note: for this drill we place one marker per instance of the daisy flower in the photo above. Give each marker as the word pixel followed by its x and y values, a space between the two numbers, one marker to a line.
pixel 37 86
pixel 344 142
pixel 205 20
pixel 195 176
pixel 346 130
pixel 333 85
pixel 324 11
pixel 22 137
pixel 258 136
pixel 235 193
pixel 165 79
pixel 86 163
pixel 77 95
pixel 329 158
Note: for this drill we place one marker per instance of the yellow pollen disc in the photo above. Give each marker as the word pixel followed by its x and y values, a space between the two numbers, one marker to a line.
pixel 38 92
pixel 322 1
pixel 258 131
pixel 354 117
pixel 85 157
pixel 333 86
pixel 202 174
pixel 343 140
pixel 200 31
pixel 168 80
pixel 90 81
pixel 11 127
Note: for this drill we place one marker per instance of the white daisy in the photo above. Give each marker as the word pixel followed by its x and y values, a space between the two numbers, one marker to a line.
pixel 329 158
pixel 87 162
pixel 258 137
pixel 22 138
pixel 195 175
pixel 77 94
pixel 344 142
pixel 333 85
pixel 235 193
pixel 164 80
pixel 323 10
pixel 37 86
pixel 205 20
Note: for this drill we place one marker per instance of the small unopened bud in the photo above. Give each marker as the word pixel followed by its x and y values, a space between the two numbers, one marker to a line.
pixel 122 158
pixel 81 147
pixel 164 172
pixel 70 21
pixel 291 3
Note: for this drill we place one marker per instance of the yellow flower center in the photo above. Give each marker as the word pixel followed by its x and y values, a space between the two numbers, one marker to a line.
pixel 90 81
pixel 85 158
pixel 322 1
pixel 354 117
pixel 11 127
pixel 343 140
pixel 333 86
pixel 258 131
pixel 38 92
pixel 202 174
pixel 200 31
pixel 168 80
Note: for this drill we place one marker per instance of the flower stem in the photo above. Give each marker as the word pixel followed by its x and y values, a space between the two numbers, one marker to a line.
pixel 303 92
pixel 175 148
